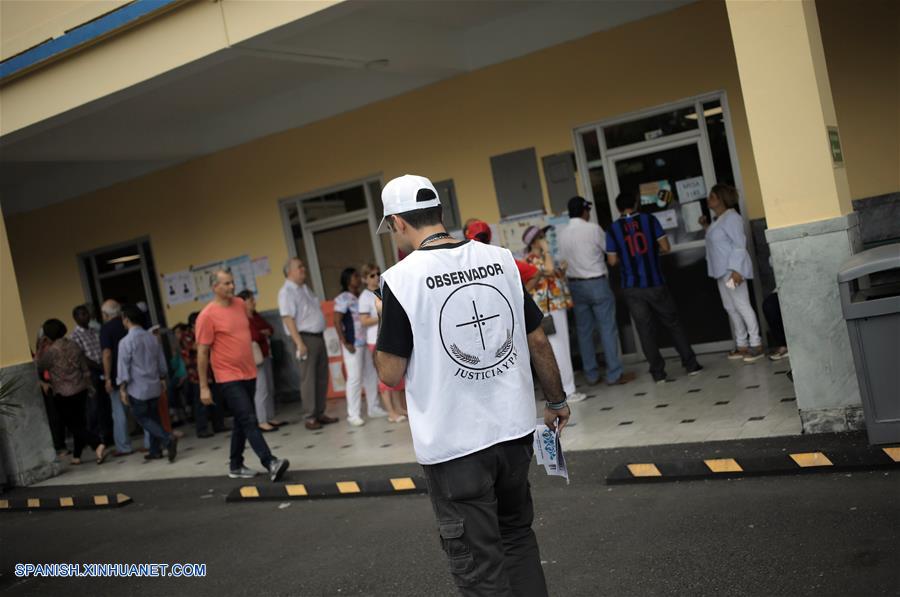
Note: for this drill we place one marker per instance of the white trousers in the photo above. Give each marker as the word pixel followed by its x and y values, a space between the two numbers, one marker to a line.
pixel 744 325
pixel 264 399
pixel 361 375
pixel 560 343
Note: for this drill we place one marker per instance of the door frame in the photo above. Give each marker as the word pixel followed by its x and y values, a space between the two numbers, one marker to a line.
pixel 309 229
pixel 152 304
pixel 700 136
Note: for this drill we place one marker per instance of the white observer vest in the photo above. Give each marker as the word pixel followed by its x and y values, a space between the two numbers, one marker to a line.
pixel 468 383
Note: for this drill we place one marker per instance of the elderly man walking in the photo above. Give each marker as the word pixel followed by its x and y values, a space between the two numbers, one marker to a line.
pixel 469 388
pixel 301 314
pixel 224 340
pixel 111 333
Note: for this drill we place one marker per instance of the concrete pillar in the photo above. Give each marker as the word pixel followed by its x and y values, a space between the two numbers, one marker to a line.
pixel 812 228
pixel 26 448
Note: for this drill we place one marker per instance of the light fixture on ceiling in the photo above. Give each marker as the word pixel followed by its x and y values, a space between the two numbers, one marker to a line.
pixel 125 259
pixel 706 113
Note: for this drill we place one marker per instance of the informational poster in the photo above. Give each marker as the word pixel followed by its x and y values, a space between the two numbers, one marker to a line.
pixel 261 267
pixel 690 215
pixel 511 230
pixel 668 218
pixel 204 276
pixel 240 267
pixel 559 224
pixel 657 193
pixel 691 189
pixel 338 382
pixel 242 270
pixel 179 288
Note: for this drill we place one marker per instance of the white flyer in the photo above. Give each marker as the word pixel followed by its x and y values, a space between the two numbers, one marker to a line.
pixel 668 218
pixel 179 287
pixel 332 342
pixel 690 214
pixel 690 189
pixel 548 452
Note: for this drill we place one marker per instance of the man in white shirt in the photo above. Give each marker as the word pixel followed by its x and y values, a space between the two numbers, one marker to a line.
pixel 304 323
pixel 458 326
pixel 583 244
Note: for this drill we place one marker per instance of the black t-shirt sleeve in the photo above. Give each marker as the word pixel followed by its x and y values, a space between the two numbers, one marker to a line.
pixel 533 314
pixel 395 334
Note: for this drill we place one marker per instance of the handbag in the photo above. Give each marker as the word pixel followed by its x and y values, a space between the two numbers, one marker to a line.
pixel 258 357
pixel 547 322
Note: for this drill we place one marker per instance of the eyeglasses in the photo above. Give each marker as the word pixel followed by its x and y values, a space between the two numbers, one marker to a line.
pixel 374 274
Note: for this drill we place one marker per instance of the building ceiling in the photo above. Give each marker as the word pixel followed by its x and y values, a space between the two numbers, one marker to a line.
pixel 340 59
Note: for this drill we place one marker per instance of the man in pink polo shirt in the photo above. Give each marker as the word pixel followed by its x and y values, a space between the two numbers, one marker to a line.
pixel 223 331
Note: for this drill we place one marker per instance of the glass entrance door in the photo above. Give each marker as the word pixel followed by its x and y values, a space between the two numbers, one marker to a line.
pixel 671 181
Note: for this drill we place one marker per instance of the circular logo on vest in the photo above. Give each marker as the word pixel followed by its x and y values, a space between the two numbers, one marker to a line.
pixel 476 324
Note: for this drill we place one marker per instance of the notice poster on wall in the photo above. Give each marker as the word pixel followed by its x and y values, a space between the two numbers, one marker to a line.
pixel 511 231
pixel 690 215
pixel 691 189
pixel 204 276
pixel 559 224
pixel 242 270
pixel 667 218
pixel 178 288
pixel 261 267
pixel 657 194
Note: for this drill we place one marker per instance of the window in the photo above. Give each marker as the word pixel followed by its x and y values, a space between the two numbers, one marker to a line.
pixel 450 208
pixel 334 203
pixel 650 127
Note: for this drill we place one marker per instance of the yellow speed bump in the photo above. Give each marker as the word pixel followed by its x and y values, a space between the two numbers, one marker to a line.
pixel 4 504
pixel 34 503
pixel 403 484
pixel 644 470
pixel 894 453
pixel 66 502
pixel 347 487
pixel 723 465
pixel 249 491
pixel 811 459
pixel 101 500
pixel 296 490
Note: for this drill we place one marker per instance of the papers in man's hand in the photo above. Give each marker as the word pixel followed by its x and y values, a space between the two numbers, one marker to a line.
pixel 548 451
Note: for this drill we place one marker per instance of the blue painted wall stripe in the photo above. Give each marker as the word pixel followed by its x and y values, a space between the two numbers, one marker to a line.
pixel 81 35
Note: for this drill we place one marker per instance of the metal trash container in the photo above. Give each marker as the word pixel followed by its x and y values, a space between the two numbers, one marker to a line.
pixel 870 297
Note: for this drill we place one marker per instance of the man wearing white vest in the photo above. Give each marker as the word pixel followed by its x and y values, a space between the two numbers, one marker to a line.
pixel 458 326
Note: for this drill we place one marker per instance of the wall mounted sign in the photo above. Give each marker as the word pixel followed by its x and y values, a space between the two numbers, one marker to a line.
pixel 834 143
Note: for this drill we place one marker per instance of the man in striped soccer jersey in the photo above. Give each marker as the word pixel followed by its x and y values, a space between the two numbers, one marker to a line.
pixel 636 240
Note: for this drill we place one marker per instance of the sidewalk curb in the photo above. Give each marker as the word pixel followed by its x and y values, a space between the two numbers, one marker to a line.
pixel 788 463
pixel 340 489
pixel 80 502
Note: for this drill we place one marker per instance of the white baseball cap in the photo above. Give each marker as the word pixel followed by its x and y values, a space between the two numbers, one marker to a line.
pixel 407 193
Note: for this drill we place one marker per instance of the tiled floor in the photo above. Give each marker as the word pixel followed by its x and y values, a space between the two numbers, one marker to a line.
pixel 729 400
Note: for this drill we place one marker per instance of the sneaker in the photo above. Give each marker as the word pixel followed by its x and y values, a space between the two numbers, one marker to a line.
pixel 577 397
pixel 663 381
pixel 738 353
pixel 242 473
pixel 696 371
pixel 173 449
pixel 754 354
pixel 277 468
pixel 777 355
pixel 377 413
pixel 355 421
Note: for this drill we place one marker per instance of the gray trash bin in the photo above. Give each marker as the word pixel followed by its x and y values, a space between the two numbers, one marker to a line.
pixel 870 297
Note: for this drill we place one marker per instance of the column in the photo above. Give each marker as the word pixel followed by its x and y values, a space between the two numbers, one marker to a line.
pixel 26 448
pixel 812 228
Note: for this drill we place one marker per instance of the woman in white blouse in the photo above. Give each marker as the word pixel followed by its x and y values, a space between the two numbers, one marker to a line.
pixel 729 263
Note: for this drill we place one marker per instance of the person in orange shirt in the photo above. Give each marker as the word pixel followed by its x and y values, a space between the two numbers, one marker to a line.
pixel 223 339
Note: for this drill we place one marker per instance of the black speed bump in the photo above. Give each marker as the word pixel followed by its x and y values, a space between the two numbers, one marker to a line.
pixel 340 489
pixel 781 464
pixel 78 502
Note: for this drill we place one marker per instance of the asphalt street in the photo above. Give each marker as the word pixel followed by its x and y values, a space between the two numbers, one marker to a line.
pixel 814 534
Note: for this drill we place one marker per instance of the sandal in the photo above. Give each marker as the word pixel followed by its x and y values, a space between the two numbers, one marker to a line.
pixel 102 453
pixel 75 461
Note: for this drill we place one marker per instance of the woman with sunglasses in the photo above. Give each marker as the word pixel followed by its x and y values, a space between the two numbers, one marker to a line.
pixel 393 398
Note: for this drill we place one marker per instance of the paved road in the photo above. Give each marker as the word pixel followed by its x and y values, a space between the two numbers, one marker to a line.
pixel 821 534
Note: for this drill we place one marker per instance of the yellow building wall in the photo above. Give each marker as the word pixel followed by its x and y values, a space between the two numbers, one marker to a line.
pixel 862 50
pixel 226 204
pixel 14 344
